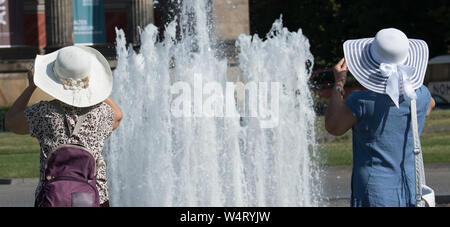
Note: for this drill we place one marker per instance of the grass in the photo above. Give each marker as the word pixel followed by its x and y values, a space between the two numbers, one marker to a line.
pixel 19 155
pixel 336 153
pixel 435 141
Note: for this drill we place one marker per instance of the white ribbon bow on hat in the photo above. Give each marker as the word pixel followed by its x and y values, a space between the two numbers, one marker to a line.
pixel 398 75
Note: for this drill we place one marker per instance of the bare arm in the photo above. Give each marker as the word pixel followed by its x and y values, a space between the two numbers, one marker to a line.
pixel 338 117
pixel 432 105
pixel 117 112
pixel 15 120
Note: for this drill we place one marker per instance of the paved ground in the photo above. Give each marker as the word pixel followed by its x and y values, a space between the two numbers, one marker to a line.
pixel 336 180
pixel 18 193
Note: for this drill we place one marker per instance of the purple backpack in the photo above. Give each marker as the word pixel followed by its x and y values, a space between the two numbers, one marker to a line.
pixel 69 179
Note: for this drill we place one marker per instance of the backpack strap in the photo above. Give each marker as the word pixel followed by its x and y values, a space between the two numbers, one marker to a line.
pixel 80 121
pixel 77 127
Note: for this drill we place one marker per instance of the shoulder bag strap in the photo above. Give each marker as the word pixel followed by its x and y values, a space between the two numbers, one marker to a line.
pixel 418 160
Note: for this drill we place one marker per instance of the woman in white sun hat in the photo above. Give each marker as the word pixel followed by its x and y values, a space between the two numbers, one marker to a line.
pixel 392 69
pixel 80 80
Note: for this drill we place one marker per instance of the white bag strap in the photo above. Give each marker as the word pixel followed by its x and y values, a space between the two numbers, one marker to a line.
pixel 418 160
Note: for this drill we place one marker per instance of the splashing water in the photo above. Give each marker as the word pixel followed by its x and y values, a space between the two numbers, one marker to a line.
pixel 206 156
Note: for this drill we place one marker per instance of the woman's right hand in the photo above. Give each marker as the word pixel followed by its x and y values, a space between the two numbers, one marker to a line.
pixel 15 120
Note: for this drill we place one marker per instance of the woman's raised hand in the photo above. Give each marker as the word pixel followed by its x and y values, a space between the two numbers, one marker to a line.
pixel 30 75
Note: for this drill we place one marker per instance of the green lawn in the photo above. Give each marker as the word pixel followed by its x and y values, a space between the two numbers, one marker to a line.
pixel 19 155
pixel 435 141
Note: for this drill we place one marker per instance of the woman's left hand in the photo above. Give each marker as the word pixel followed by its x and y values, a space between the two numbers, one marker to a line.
pixel 340 73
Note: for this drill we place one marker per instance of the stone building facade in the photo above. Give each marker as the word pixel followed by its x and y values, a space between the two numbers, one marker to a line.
pixel 49 25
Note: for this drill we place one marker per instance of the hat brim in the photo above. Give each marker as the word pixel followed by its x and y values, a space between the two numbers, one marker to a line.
pixel 367 70
pixel 100 80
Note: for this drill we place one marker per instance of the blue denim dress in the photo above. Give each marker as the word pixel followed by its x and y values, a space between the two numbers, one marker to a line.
pixel 383 159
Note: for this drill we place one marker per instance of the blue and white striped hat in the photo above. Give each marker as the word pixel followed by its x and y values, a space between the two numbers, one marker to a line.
pixel 365 59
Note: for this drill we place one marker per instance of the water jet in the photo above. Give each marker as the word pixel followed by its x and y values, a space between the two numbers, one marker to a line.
pixel 158 159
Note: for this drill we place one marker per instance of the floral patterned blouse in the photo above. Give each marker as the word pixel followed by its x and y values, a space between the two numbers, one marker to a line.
pixel 48 125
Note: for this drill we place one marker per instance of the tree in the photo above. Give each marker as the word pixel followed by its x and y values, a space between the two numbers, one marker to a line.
pixel 328 23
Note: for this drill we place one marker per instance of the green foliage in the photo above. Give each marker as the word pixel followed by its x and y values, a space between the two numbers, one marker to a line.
pixel 320 104
pixel 328 23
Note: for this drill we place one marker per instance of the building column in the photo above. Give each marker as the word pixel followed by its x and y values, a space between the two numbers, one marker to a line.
pixel 59 24
pixel 140 14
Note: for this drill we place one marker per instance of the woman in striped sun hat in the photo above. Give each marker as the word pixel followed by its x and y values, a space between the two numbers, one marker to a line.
pixel 392 69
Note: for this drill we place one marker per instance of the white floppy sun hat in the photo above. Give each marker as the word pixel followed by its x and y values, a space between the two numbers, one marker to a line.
pixel 76 75
pixel 388 64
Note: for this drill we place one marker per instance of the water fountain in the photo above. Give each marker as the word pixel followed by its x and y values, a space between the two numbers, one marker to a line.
pixel 184 142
